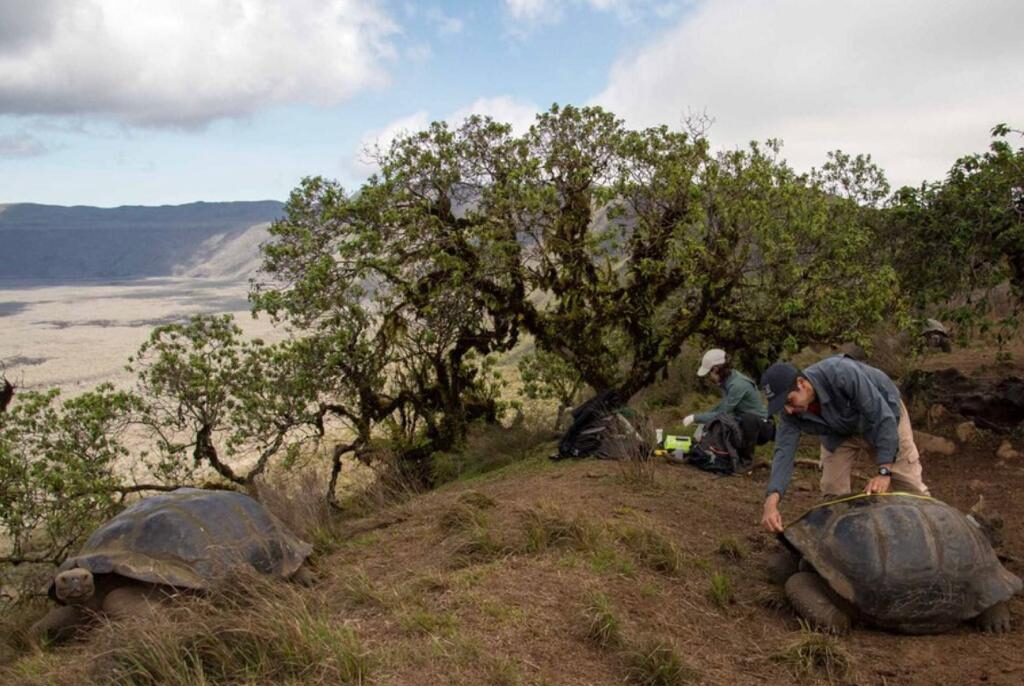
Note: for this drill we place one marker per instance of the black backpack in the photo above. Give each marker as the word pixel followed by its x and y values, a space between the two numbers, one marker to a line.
pixel 718 448
pixel 599 429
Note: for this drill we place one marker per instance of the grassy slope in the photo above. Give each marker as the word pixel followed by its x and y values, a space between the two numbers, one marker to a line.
pixel 540 573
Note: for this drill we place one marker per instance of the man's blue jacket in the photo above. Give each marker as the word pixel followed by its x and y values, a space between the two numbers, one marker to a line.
pixel 856 400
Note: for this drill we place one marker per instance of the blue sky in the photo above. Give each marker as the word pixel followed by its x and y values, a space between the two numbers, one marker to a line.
pixel 112 102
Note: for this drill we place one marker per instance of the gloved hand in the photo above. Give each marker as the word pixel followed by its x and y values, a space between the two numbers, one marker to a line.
pixel 687 420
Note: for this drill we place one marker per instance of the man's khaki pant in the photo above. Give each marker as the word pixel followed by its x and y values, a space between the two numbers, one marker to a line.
pixel 906 470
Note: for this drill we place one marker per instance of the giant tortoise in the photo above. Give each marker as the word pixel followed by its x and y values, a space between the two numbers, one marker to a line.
pixel 187 539
pixel 899 561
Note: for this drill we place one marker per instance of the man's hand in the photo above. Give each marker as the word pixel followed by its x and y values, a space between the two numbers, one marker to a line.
pixel 879 484
pixel 771 519
pixel 687 420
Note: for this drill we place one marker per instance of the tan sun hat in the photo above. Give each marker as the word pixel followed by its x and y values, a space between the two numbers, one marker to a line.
pixel 712 358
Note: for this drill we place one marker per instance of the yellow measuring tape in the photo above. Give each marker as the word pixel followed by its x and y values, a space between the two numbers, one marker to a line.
pixel 858 496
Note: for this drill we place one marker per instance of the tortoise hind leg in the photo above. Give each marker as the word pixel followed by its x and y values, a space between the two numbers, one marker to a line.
pixel 59 624
pixel 996 619
pixel 812 600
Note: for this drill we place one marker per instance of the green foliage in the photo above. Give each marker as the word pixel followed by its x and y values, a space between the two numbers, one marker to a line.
pixel 550 377
pixel 218 398
pixel 958 239
pixel 59 469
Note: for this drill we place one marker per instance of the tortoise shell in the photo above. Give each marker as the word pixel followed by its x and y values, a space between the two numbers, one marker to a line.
pixel 907 562
pixel 189 538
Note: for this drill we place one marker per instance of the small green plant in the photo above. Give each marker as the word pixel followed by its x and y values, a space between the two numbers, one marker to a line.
pixel 655 663
pixel 732 549
pixel 606 559
pixel 814 653
pixel 720 591
pixel 600 624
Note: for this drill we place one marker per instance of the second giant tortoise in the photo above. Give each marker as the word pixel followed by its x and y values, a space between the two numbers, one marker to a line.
pixel 187 539
pixel 899 561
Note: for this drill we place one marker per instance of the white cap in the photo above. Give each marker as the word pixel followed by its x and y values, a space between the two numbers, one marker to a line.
pixel 712 358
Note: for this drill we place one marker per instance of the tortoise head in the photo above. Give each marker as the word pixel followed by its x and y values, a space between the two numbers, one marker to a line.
pixel 74 586
pixel 988 520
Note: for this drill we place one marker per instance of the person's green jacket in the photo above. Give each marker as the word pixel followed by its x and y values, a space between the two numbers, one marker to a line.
pixel 739 395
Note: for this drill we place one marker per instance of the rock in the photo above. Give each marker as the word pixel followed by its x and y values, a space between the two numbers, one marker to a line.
pixel 966 432
pixel 935 445
pixel 1006 451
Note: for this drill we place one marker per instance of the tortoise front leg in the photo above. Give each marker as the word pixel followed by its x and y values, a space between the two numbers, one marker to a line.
pixel 130 601
pixel 996 619
pixel 813 600
pixel 59 624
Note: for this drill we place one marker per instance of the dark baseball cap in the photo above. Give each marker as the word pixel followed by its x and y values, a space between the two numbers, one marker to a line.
pixel 776 383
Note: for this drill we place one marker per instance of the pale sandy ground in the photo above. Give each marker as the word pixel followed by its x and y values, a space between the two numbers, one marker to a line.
pixel 78 336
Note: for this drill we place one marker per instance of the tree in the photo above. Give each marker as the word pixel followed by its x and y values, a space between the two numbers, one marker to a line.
pixel 402 344
pixel 612 247
pixel 60 469
pixel 229 403
pixel 548 376
pixel 959 238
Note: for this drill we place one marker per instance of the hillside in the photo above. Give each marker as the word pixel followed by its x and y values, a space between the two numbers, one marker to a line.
pixel 566 573
pixel 71 244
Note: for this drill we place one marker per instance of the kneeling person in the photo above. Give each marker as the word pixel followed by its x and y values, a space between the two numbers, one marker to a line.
pixel 740 399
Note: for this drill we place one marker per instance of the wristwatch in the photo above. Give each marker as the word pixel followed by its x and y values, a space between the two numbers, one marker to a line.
pixel 884 471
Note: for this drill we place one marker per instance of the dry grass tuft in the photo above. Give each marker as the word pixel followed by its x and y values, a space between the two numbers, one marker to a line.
pixel 359 590
pixel 478 546
pixel 298 499
pixel 544 529
pixel 258 631
pixel 655 663
pixel 815 653
pixel 480 501
pixel 461 517
pixel 652 549
pixel 601 626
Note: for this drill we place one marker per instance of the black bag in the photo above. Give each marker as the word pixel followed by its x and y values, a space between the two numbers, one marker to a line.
pixel 718 450
pixel 599 429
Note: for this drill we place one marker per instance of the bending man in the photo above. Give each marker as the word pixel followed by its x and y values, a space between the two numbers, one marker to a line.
pixel 856 409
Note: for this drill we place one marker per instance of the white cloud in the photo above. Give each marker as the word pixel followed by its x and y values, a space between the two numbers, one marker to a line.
pixel 552 11
pixel 187 62
pixel 503 108
pixel 446 25
pixel 379 140
pixel 20 145
pixel 915 83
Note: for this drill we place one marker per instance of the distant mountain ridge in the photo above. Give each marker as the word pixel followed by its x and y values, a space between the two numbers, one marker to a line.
pixel 67 244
